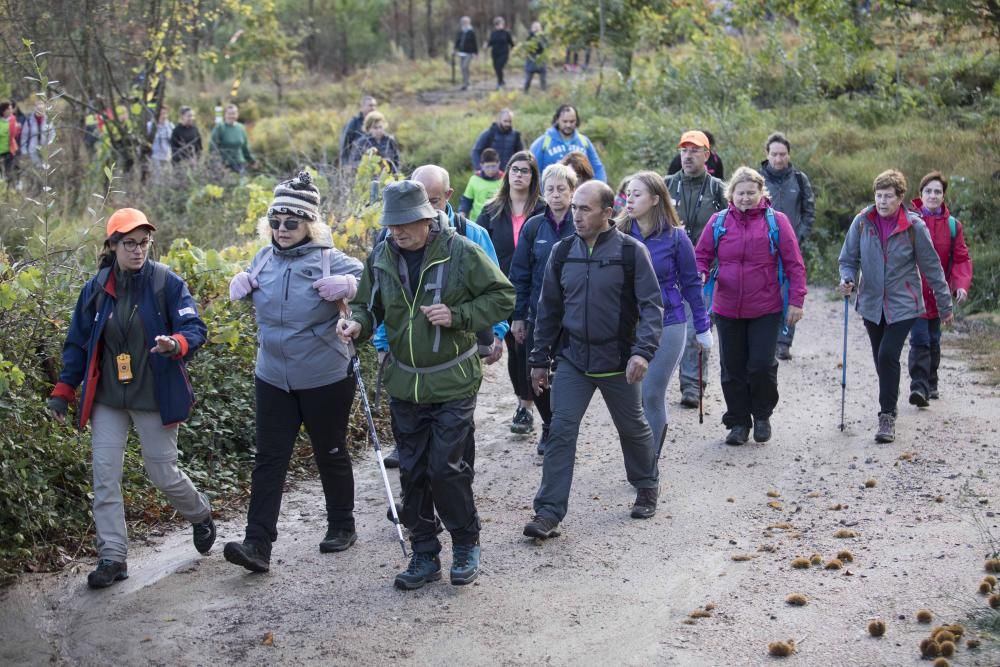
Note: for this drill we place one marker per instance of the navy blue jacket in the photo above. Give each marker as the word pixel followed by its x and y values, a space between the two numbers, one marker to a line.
pixel 504 143
pixel 527 270
pixel 83 346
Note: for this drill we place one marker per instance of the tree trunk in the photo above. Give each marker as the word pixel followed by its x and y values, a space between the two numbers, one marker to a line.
pixel 411 30
pixel 432 50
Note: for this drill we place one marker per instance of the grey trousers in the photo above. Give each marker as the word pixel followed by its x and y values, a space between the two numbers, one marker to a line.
pixel 654 385
pixel 571 394
pixel 689 361
pixel 109 428
pixel 464 62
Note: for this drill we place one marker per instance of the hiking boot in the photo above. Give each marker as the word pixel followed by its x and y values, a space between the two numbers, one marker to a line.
pixel 738 435
pixel 784 352
pixel 761 430
pixel 541 527
pixel 522 422
pixel 392 461
pixel 464 564
pixel 645 503
pixel 204 535
pixel 886 428
pixel 399 513
pixel 424 567
pixel 933 395
pixel 337 539
pixel 248 555
pixel 107 572
pixel 918 399
pixel 689 399
pixel 540 448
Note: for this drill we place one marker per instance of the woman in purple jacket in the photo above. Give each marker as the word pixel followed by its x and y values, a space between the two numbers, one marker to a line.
pixel 748 302
pixel 649 216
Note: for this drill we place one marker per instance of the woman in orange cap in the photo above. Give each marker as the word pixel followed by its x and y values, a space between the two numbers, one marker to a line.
pixel 134 325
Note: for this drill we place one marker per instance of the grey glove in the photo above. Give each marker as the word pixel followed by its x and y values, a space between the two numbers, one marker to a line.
pixel 57 405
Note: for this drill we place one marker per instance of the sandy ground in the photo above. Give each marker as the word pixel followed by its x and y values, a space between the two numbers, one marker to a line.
pixel 611 590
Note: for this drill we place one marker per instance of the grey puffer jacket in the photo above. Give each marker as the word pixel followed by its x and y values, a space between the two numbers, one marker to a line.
pixel 890 281
pixel 580 316
pixel 297 343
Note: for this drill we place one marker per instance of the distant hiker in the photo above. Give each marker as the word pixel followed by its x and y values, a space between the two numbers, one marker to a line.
pixel 482 185
pixel 500 136
pixel 949 240
pixel 518 199
pixel 230 142
pixel 579 163
pixel 134 326
pixel 434 372
pixel 792 194
pixel 354 130
pixel 697 196
pixel 185 141
pixel 600 314
pixel 8 140
pixel 527 270
pixel 36 131
pixel 713 164
pixel 296 285
pixel 649 217
pixel 162 130
pixel 535 59
pixel 377 141
pixel 888 250
pixel 500 43
pixel 437 185
pixel 563 138
pixel 755 251
pixel 466 47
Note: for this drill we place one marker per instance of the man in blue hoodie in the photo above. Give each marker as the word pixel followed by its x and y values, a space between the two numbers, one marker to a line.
pixel 562 138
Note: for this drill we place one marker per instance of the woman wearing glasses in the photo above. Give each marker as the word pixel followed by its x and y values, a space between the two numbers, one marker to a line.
pixel 888 249
pixel 518 199
pixel 303 372
pixel 134 325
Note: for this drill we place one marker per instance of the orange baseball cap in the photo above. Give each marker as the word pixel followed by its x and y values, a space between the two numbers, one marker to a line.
pixel 125 220
pixel 694 137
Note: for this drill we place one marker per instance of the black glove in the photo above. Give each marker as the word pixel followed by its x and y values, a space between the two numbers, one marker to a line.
pixel 57 405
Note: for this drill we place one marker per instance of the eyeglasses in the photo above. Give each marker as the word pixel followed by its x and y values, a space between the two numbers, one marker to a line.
pixel 131 244
pixel 291 224
pixel 520 171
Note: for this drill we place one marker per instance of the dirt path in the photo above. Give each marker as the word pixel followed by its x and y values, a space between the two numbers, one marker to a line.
pixel 611 590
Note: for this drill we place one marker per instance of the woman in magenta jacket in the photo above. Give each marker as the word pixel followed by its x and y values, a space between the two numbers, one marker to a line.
pixel 949 242
pixel 747 302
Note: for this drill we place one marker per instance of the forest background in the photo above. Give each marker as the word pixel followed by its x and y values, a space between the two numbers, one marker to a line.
pixel 858 87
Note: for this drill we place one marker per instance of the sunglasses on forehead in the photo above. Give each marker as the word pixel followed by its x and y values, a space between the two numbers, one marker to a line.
pixel 291 224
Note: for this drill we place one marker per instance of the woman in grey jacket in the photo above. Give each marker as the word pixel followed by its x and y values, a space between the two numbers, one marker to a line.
pixel 303 373
pixel 887 245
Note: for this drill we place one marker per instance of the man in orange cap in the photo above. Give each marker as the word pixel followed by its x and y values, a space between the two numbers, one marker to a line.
pixel 697 196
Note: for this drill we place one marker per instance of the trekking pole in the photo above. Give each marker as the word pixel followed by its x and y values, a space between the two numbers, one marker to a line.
pixel 701 390
pixel 356 366
pixel 843 376
pixel 378 382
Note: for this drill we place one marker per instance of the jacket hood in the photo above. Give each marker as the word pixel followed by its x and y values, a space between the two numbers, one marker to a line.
pixel 917 205
pixel 903 221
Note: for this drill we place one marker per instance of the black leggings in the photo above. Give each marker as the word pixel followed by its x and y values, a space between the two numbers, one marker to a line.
pixel 498 64
pixel 887 346
pixel 749 371
pixel 325 412
pixel 517 368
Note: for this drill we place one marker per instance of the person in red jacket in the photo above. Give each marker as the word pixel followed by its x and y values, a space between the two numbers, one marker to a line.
pixel 747 300
pixel 949 241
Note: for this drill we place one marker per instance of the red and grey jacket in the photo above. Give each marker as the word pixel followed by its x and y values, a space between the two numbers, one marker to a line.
pixel 953 251
pixel 176 317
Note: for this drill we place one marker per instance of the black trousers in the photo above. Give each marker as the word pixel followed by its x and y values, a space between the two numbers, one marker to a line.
pixel 887 346
pixel 517 368
pixel 749 369
pixel 543 400
pixel 499 62
pixel 925 355
pixel 436 470
pixel 325 412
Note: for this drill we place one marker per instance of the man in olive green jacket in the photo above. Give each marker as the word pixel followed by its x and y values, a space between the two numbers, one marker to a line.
pixel 434 290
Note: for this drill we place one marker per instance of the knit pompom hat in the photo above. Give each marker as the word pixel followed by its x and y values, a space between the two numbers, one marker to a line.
pixel 298 197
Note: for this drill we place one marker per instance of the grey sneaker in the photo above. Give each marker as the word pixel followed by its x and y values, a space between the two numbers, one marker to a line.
pixel 886 428
pixel 541 527
pixel 522 421
pixel 645 503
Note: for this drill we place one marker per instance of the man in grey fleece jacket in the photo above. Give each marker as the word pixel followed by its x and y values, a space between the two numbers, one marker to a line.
pixel 601 313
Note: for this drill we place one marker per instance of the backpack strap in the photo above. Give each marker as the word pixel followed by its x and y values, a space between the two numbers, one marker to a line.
pixel 255 271
pixel 718 222
pixel 325 261
pixel 783 282
pixel 159 290
pixel 97 297
pixel 437 286
pixel 953 232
